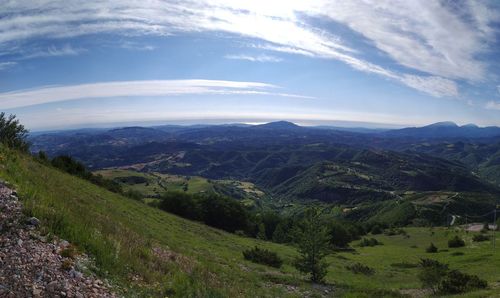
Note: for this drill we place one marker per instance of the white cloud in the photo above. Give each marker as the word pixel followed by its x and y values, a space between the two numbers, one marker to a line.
pixel 136 46
pixel 498 89
pixel 440 40
pixel 492 105
pixel 5 65
pixel 433 85
pixel 435 37
pixel 256 58
pixel 53 51
pixel 16 99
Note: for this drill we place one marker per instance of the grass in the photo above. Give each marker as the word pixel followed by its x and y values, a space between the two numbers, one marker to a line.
pixel 159 183
pixel 146 252
pixel 394 262
pixel 121 234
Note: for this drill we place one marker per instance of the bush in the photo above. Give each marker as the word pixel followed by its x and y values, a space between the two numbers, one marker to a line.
pixel 376 229
pixel 12 133
pixel 431 249
pixel 456 242
pixel 438 277
pixel 404 265
pixel 393 232
pixel 73 167
pixel 431 273
pixel 359 268
pixel 456 282
pixel 369 242
pixel 263 256
pixel 339 236
pixel 480 238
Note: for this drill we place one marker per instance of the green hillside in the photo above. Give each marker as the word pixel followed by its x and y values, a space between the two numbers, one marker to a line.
pixel 122 235
pixel 146 252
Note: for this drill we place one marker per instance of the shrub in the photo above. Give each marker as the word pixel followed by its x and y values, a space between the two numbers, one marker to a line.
pixel 12 133
pixel 404 265
pixel 376 229
pixel 69 252
pixel 457 253
pixel 431 249
pixel 480 238
pixel 67 264
pixel 369 242
pixel 339 236
pixel 263 256
pixel 457 282
pixel 395 231
pixel 359 268
pixel 431 273
pixel 438 277
pixel 456 242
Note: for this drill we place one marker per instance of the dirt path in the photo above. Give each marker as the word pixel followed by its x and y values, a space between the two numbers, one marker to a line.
pixel 32 266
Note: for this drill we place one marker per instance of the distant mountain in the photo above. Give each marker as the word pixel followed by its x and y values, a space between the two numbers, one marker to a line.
pixel 445 130
pixel 278 125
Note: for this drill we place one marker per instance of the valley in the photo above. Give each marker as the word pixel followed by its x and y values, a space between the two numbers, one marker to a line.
pixel 391 176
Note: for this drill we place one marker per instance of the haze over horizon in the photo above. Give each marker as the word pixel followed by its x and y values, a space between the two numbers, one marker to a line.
pixel 70 64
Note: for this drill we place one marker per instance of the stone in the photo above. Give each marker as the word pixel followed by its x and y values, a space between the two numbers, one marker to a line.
pixel 52 286
pixel 33 221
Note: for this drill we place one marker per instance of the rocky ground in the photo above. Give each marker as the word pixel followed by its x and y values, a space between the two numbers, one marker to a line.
pixel 33 266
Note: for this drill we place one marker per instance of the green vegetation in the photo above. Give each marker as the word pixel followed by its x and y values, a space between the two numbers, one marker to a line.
pixel 12 133
pixel 440 278
pixel 151 185
pixel 312 241
pixel 359 268
pixel 456 242
pixel 214 210
pixel 480 238
pixel 431 248
pixel 73 167
pixel 148 252
pixel 369 242
pixel 143 250
pixel 263 256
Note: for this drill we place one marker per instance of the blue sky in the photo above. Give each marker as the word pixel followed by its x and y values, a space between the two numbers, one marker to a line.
pixel 66 64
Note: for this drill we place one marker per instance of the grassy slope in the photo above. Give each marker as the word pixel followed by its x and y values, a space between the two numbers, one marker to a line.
pixel 477 258
pixel 120 233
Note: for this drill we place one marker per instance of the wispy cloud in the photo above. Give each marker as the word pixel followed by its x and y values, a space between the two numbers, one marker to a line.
pixel 54 51
pixel 492 105
pixel 129 45
pixel 5 65
pixel 441 41
pixel 433 85
pixel 16 99
pixel 255 58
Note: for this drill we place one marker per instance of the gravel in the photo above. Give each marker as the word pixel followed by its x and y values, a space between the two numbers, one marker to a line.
pixel 31 266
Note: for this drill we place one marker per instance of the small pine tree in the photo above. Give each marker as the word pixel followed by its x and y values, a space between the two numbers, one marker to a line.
pixel 312 239
pixel 432 248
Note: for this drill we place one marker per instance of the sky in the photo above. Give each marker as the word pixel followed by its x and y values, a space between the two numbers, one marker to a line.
pixel 380 63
